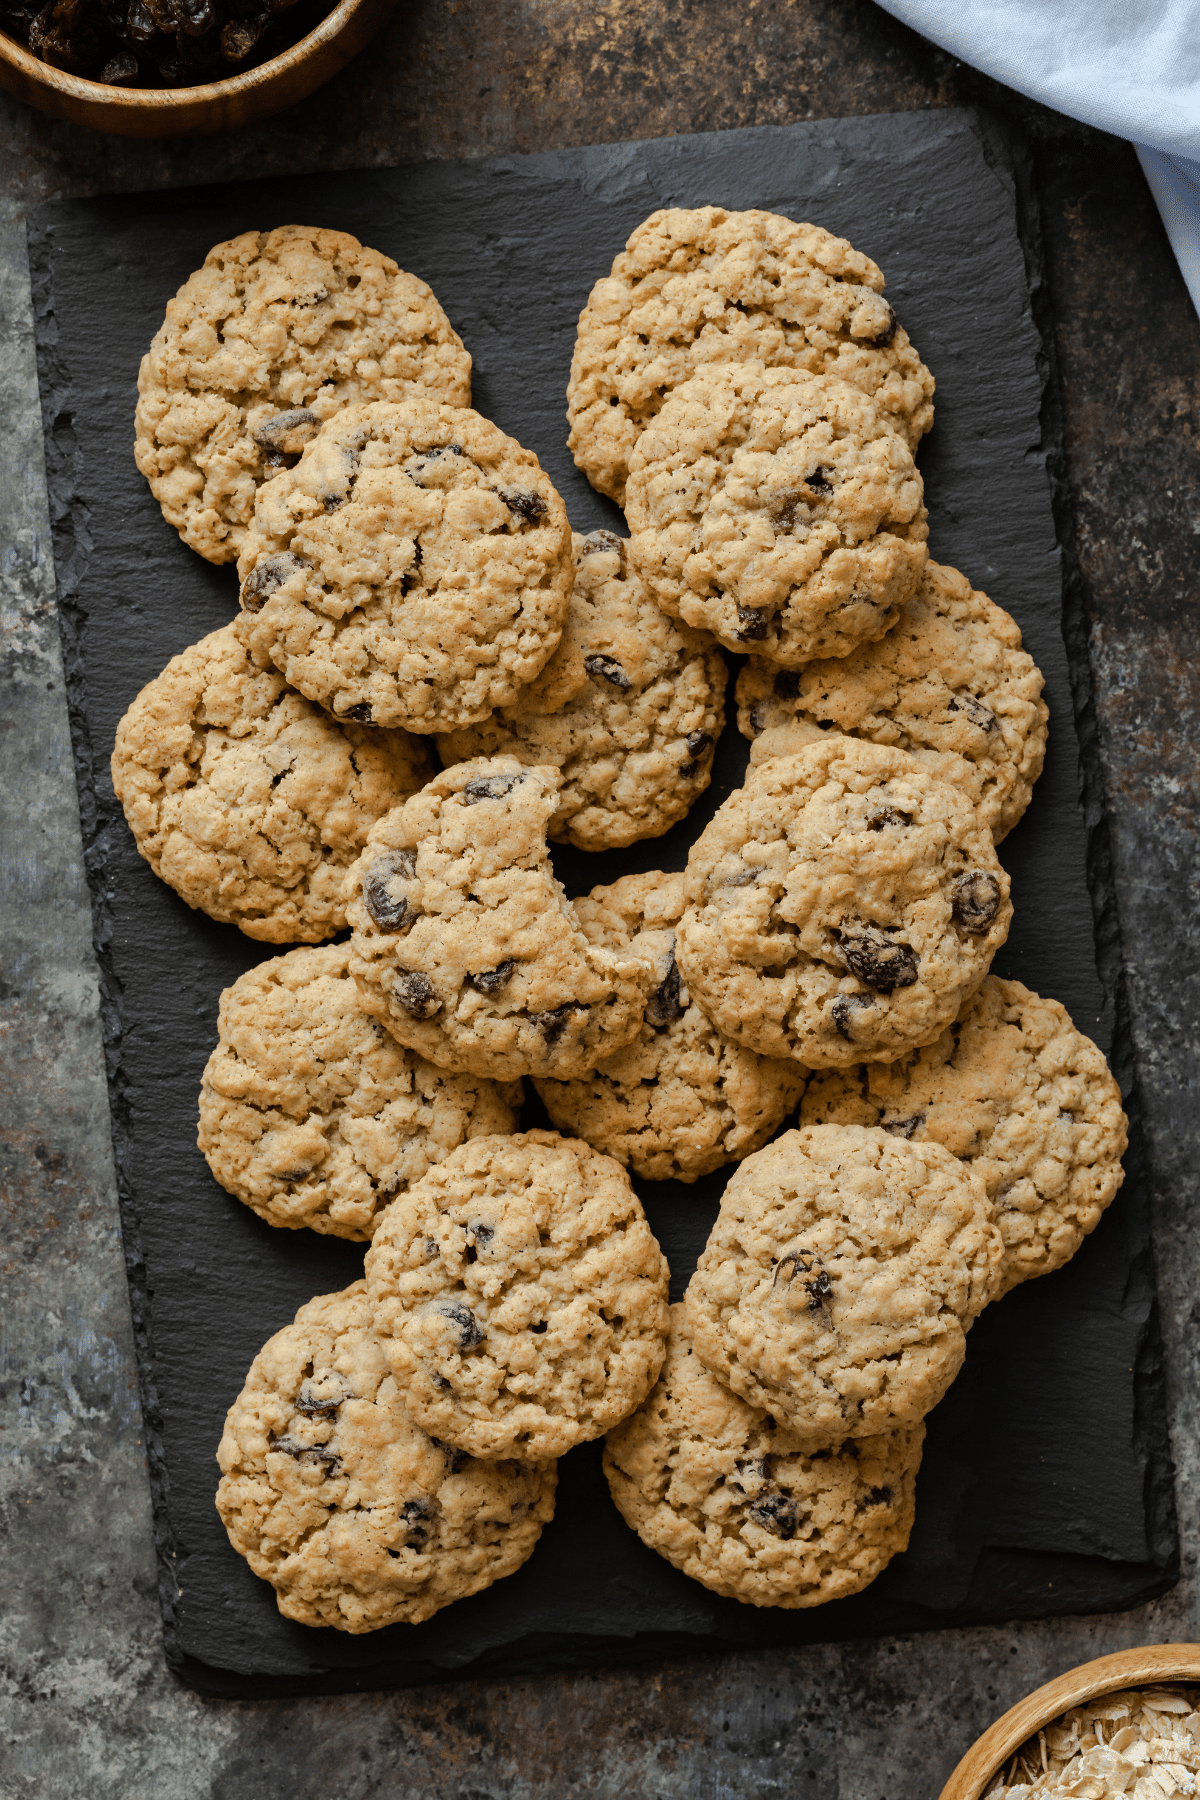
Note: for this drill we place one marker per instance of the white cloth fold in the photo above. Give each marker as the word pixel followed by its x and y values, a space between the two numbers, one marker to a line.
pixel 1130 67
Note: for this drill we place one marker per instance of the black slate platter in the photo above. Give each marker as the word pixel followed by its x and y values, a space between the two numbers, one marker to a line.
pixel 1046 1485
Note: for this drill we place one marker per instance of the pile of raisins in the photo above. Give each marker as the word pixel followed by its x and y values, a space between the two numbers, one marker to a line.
pixel 158 43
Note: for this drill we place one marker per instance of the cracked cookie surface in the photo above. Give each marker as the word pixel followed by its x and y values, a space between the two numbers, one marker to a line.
pixel 249 801
pixel 841 906
pixel 520 1296
pixel 336 1496
pixel 413 569
pixel 779 511
pixel 312 1114
pixel 681 1099
pixel 729 1495
pixel 840 1279
pixel 699 287
pixel 628 709
pixel 466 947
pixel 276 332
pixel 1024 1098
pixel 949 683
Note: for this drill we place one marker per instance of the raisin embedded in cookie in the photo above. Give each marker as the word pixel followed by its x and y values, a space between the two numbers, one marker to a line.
pixel 413 569
pixel 466 947
pixel 247 800
pixel 682 1098
pixel 520 1296
pixel 840 1279
pixel 780 511
pixel 1023 1098
pixel 276 332
pixel 336 1496
pixel 729 1495
pixel 702 287
pixel 629 709
pixel 313 1114
pixel 841 906
pixel 949 683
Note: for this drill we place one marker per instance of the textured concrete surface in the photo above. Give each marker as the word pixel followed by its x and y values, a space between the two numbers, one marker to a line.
pixel 88 1709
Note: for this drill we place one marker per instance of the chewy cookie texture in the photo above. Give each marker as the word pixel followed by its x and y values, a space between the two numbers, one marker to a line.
pixel 1024 1098
pixel 777 510
pixel 333 1493
pixel 276 332
pixel 247 800
pixel 840 1279
pixel 682 1098
pixel 520 1296
pixel 695 288
pixel 949 683
pixel 313 1115
pixel 729 1495
pixel 628 709
pixel 464 945
pixel 413 569
pixel 841 906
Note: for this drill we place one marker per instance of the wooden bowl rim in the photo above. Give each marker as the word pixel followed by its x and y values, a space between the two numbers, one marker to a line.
pixel 1089 1681
pixel 132 100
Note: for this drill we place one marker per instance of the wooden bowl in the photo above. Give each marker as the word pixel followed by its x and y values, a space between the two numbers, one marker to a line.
pixel 196 111
pixel 1090 1681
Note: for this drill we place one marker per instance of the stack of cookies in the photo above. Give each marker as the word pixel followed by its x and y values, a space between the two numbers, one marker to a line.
pixel 409 580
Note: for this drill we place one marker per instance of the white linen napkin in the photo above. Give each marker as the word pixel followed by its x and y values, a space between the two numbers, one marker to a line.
pixel 1131 67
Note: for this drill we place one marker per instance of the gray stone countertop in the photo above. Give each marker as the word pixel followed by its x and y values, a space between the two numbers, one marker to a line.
pixel 89 1709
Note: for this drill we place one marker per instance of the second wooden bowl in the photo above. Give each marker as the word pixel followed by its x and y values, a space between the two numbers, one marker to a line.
pixel 1090 1681
pixel 196 111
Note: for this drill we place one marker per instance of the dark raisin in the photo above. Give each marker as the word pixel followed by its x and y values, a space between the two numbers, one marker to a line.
pixel 664 1005
pixel 975 900
pixel 787 684
pixel 456 1458
pixel 878 960
pixel 139 26
pixel 120 70
pixel 308 1455
pixel 238 39
pixel 883 338
pixel 488 787
pixel 523 503
pixel 280 432
pixel 752 624
pixel 603 543
pixel 360 714
pixel 903 1128
pixel 539 1328
pixel 818 1286
pixel 976 711
pixel 879 1496
pixel 415 994
pixel 490 981
pixel 758 719
pixel 195 16
pixel 483 1234
pixel 776 1513
pixel 470 1331
pixel 843 1009
pixel 609 668
pixel 819 482
pixel 265 577
pixel 553 1024
pixel 745 878
pixel 312 1407
pixel 1063 1113
pixel 388 910
pixel 888 815
pixel 699 743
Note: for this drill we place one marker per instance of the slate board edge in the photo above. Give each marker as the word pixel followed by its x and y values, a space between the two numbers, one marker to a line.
pixel 1009 159
pixel 1008 154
